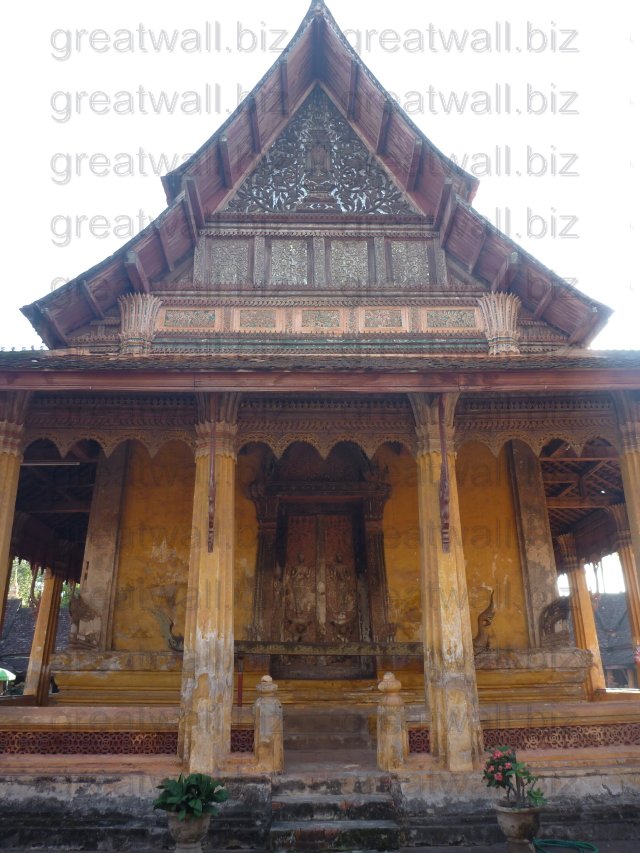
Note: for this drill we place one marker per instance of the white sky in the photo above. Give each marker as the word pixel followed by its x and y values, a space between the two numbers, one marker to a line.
pixel 598 62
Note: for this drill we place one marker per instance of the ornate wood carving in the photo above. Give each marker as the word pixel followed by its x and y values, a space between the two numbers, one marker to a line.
pixel 319 164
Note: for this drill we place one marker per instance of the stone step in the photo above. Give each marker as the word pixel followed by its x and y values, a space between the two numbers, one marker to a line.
pixel 343 783
pixel 301 836
pixel 323 807
pixel 331 721
pixel 326 741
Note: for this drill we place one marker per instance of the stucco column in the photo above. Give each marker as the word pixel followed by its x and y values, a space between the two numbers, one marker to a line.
pixel 628 410
pixel 207 687
pixel 536 544
pixel 44 639
pixel 629 571
pixel 13 406
pixel 450 679
pixel 584 623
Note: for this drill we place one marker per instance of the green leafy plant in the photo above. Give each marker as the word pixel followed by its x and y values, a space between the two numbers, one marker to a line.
pixel 503 770
pixel 190 796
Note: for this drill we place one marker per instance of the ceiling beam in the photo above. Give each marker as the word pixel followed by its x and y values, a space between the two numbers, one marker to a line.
pixel 554 477
pixel 164 244
pixel 256 141
pixel 506 273
pixel 415 167
pixel 383 130
pixel 136 273
pixel 96 310
pixel 579 502
pixel 352 102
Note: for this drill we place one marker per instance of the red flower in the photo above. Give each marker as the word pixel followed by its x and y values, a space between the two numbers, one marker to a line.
pixel 498 777
pixel 508 765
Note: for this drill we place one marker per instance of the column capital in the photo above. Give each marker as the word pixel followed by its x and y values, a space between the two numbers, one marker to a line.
pixel 618 513
pixel 500 319
pixel 430 413
pixel 138 313
pixel 627 406
pixel 13 411
pixel 217 424
pixel 568 552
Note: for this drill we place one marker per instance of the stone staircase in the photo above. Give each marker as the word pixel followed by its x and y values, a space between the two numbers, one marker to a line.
pixel 331 796
pixel 349 812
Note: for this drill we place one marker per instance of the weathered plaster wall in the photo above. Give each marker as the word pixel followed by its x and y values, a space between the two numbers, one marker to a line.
pixel 250 461
pixel 153 560
pixel 402 542
pixel 490 542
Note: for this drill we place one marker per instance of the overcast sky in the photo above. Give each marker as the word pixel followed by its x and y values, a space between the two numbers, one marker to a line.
pixel 536 100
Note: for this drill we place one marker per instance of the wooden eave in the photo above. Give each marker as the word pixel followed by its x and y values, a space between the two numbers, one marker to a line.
pixel 198 190
pixel 65 371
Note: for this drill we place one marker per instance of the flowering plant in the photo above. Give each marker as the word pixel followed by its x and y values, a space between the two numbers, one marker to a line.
pixel 190 796
pixel 503 770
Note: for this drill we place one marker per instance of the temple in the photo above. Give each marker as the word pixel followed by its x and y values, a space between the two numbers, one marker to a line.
pixel 319 422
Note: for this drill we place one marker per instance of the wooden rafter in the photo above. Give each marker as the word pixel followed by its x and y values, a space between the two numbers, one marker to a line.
pixel 582 502
pixel 191 221
pixel 545 302
pixel 352 103
pixel 96 310
pixel 136 273
pixel 415 165
pixel 57 328
pixel 256 141
pixel 448 214
pixel 225 161
pixel 191 188
pixel 506 273
pixel 284 86
pixel 164 245
pixel 475 256
pixel 383 129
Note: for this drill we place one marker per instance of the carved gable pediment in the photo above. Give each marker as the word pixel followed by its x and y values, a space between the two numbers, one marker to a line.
pixel 319 164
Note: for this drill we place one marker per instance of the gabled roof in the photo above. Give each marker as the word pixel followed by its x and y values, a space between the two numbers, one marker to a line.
pixel 199 189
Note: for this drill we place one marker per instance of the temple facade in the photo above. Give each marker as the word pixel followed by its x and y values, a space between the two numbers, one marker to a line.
pixel 319 422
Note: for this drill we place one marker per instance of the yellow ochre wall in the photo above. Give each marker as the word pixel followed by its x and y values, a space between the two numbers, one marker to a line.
pixel 155 534
pixel 402 542
pixel 490 542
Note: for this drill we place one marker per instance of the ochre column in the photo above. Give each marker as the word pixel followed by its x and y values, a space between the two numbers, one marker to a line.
pixel 450 680
pixel 629 571
pixel 44 639
pixel 207 687
pixel 13 406
pixel 584 624
pixel 628 410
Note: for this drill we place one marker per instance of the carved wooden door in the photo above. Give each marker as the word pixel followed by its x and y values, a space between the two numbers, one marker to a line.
pixel 323 596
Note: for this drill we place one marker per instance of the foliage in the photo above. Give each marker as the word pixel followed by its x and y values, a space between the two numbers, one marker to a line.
pixel 503 770
pixel 28 590
pixel 191 796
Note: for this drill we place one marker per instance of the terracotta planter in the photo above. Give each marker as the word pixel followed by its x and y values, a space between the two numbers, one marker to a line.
pixel 519 825
pixel 188 834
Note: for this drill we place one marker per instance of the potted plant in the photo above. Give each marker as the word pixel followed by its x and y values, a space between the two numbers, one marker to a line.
pixel 519 813
pixel 189 803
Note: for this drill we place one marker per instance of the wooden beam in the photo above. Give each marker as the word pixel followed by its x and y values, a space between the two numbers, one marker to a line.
pixel 96 310
pixel 579 502
pixel 284 86
pixel 414 166
pixel 352 103
pixel 475 257
pixel 445 191
pixel 225 161
pixel 57 328
pixel 383 130
pixel 544 303
pixel 164 245
pixel 191 222
pixel 256 141
pixel 506 274
pixel 191 186
pixel 582 329
pixel 448 215
pixel 317 47
pixel 136 273
pixel 554 477
pixel 548 459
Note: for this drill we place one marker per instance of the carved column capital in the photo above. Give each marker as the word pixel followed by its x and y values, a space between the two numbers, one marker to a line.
pixel 500 319
pixel 568 552
pixel 427 412
pixel 138 313
pixel 618 513
pixel 13 411
pixel 627 405
pixel 219 412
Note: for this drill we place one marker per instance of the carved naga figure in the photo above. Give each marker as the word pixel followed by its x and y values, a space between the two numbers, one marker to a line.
pixel 482 640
